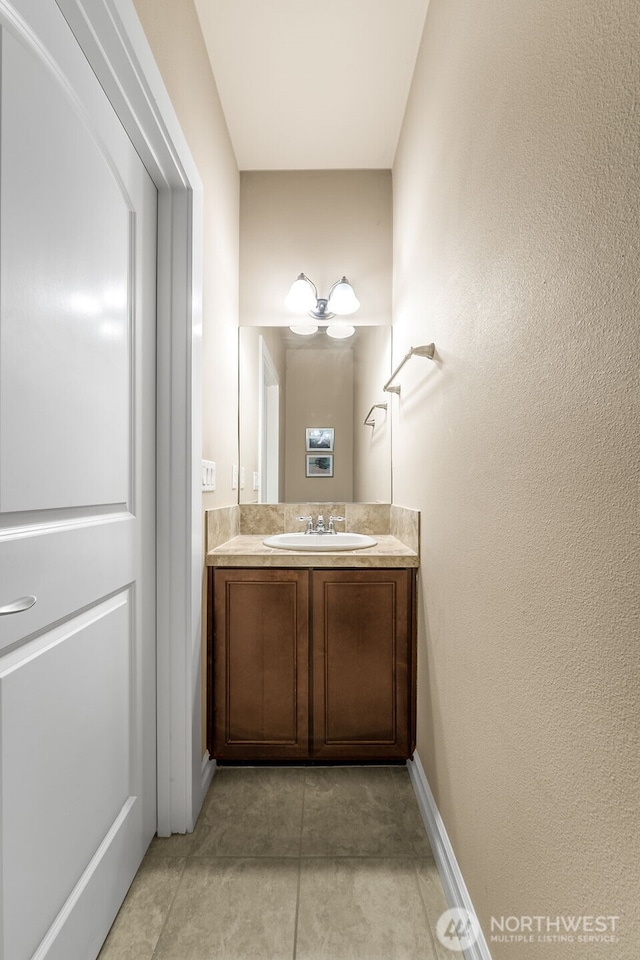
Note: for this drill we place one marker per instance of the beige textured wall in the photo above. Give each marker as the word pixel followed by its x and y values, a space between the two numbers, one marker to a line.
pixel 323 223
pixel 173 31
pixel 319 394
pixel 516 250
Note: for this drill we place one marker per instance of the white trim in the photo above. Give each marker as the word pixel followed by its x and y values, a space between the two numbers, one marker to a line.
pixel 209 770
pixel 267 379
pixel 112 38
pixel 455 889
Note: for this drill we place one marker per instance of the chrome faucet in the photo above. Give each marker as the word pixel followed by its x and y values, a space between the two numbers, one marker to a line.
pixel 320 527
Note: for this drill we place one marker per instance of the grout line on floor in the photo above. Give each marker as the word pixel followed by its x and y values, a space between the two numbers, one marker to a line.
pixel 304 791
pixel 434 946
pixel 307 856
pixel 295 928
pixel 173 900
pixel 271 856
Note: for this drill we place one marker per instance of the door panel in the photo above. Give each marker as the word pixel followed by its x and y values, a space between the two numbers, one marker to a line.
pixel 59 271
pixel 77 496
pixel 44 572
pixel 80 670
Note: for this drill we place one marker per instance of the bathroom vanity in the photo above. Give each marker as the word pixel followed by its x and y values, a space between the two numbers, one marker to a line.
pixel 311 656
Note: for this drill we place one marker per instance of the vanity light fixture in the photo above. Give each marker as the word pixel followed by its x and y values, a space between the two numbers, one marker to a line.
pixel 342 301
pixel 303 298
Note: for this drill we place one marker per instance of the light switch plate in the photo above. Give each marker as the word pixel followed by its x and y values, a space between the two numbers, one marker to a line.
pixel 256 480
pixel 208 475
pixel 234 477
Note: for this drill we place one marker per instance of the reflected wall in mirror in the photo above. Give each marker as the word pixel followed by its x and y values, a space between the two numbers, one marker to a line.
pixel 289 384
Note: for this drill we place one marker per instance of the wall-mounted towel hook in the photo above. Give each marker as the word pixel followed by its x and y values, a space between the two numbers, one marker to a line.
pixel 426 350
pixel 368 420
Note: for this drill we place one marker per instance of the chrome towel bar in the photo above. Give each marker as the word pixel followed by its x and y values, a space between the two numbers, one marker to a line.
pixel 426 350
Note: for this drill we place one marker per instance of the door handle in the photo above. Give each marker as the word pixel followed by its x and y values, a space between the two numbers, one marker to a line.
pixel 23 603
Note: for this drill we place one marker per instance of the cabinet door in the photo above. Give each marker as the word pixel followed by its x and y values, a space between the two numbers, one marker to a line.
pixel 260 664
pixel 363 664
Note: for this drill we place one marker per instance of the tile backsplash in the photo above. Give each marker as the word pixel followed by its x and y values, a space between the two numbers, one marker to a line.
pixel 266 519
pixel 405 526
pixel 222 524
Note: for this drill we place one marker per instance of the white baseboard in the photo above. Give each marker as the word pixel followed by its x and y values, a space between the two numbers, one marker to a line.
pixel 208 770
pixel 453 884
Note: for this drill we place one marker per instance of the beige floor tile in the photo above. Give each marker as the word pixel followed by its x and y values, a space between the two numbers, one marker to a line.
pixel 355 811
pixel 233 906
pixel 228 909
pixel 136 929
pixel 409 813
pixel 179 845
pixel 434 901
pixel 251 812
pixel 361 909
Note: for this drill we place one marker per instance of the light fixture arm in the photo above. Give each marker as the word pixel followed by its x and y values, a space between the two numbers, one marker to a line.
pixel 303 276
pixel 320 311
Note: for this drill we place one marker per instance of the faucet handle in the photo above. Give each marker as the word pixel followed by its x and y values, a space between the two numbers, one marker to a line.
pixel 333 520
pixel 308 521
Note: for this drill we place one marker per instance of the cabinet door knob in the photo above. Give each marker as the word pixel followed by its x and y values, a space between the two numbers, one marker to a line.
pixel 17 606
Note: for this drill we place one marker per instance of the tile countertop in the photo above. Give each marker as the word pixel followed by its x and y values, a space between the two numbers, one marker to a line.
pixel 249 551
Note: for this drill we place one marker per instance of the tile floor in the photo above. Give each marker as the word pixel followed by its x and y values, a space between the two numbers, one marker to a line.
pixel 318 863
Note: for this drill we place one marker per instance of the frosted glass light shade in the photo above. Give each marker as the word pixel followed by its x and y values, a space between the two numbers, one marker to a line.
pixel 304 329
pixel 342 299
pixel 302 295
pixel 340 331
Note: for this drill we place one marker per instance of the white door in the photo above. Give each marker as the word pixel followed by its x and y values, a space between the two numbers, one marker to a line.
pixel 77 512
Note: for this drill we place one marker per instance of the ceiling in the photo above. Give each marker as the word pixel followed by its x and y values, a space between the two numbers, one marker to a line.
pixel 313 84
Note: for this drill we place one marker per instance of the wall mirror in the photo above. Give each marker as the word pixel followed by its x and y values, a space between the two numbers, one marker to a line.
pixel 302 406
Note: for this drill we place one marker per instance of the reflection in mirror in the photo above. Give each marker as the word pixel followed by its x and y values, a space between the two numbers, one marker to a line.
pixel 291 384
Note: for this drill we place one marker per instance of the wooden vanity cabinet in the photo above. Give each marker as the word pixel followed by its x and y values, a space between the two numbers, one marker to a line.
pixel 260 664
pixel 362 659
pixel 311 664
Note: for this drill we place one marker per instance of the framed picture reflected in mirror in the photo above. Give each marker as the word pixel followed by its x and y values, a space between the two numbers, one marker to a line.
pixel 319 465
pixel 320 438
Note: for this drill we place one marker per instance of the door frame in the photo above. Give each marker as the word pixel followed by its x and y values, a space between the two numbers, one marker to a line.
pixel 111 37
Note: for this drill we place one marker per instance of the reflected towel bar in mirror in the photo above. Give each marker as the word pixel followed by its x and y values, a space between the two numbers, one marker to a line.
pixel 426 350
pixel 369 421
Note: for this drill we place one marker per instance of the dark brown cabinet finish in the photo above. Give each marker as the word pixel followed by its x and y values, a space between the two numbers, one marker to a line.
pixel 311 664
pixel 362 657
pixel 261 664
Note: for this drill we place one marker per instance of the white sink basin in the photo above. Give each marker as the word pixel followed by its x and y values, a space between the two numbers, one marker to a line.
pixel 320 541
